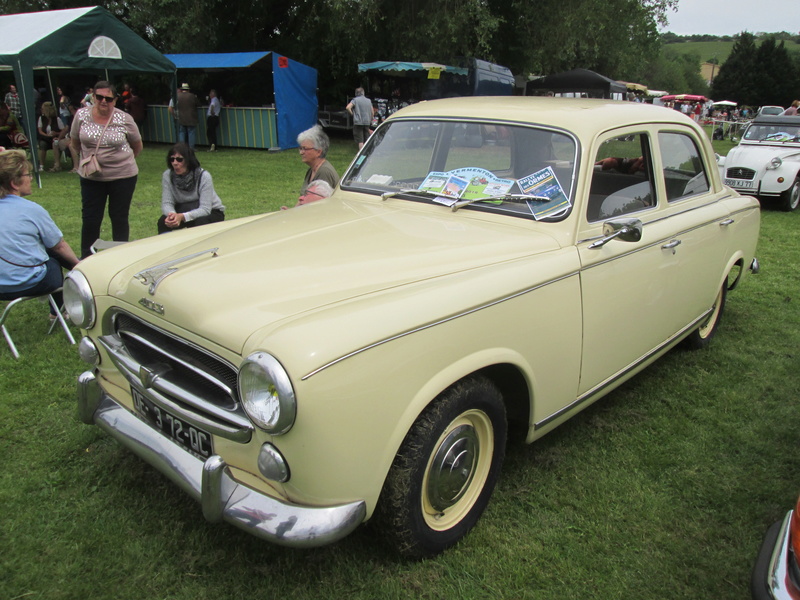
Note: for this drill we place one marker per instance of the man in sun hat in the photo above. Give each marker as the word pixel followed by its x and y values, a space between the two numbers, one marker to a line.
pixel 187 115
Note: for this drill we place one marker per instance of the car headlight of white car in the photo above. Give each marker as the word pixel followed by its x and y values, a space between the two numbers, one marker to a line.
pixel 79 300
pixel 267 394
pixel 775 163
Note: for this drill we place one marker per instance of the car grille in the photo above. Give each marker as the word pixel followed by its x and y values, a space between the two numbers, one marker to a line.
pixel 179 375
pixel 740 173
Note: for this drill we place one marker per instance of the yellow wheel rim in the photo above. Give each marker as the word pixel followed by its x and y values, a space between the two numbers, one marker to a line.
pixel 457 470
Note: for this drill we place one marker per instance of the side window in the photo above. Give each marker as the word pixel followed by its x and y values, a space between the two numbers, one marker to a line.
pixel 684 172
pixel 622 181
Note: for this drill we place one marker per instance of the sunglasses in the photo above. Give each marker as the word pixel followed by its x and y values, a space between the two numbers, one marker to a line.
pixel 101 98
pixel 177 159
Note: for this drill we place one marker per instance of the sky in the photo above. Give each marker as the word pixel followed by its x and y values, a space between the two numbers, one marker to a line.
pixel 730 17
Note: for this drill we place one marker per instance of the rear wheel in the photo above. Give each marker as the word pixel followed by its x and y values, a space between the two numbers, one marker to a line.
pixel 701 337
pixel 790 199
pixel 445 471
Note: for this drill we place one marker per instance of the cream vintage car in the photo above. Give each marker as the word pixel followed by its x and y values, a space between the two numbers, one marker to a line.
pixel 487 268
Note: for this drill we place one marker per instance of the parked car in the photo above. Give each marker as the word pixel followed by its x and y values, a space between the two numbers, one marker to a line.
pixel 776 574
pixel 766 163
pixel 487 267
pixel 766 111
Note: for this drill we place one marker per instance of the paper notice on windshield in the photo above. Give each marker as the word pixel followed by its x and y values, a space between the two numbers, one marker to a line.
pixel 466 183
pixel 544 184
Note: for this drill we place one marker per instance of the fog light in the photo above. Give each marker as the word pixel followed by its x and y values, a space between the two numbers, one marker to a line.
pixel 88 351
pixel 272 465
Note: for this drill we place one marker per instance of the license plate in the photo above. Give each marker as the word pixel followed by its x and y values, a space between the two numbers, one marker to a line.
pixel 189 437
pixel 736 183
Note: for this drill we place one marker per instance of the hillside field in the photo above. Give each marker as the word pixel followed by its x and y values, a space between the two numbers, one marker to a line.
pixel 709 50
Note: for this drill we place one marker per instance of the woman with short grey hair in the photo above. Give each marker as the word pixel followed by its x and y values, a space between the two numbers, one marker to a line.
pixel 314 145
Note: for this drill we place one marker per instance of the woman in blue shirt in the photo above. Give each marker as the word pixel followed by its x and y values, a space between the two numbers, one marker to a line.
pixel 32 247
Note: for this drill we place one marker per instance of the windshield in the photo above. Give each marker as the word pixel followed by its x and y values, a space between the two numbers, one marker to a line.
pixel 524 171
pixel 772 132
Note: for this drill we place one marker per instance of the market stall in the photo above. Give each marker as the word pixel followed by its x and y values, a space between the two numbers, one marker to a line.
pixel 289 97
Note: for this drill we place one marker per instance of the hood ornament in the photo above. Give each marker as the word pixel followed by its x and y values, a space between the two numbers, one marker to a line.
pixel 152 276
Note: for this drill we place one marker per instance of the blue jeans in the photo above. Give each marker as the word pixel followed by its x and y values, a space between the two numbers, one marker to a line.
pixel 188 135
pixel 52 280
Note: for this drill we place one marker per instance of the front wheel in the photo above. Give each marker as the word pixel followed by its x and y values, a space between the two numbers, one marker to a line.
pixel 701 337
pixel 790 199
pixel 445 471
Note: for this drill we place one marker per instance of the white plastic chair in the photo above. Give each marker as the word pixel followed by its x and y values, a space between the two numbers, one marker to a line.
pixel 58 320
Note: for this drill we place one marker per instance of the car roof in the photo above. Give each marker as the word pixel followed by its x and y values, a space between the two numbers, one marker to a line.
pixel 776 120
pixel 584 117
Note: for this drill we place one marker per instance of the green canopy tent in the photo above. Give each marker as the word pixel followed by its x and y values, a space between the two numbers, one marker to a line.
pixel 76 38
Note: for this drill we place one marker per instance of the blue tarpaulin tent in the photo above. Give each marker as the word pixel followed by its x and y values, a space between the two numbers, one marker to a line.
pixel 295 85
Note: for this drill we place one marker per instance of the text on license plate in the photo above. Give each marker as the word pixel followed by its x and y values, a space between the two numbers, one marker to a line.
pixel 738 183
pixel 187 436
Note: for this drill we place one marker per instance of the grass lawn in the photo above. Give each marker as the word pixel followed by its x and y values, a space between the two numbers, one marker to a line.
pixel 662 490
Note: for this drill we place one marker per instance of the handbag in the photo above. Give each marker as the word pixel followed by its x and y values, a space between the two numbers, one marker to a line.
pixel 89 166
pixel 19 139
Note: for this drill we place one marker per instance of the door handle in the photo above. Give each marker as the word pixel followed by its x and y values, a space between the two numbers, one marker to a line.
pixel 726 222
pixel 671 245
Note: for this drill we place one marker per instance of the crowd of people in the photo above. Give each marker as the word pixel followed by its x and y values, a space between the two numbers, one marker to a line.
pixel 103 141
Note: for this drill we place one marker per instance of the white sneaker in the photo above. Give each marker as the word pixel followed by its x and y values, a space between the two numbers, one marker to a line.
pixel 41 168
pixel 213 148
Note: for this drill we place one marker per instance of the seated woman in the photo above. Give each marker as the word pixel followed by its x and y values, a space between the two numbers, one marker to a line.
pixel 11 135
pixel 32 248
pixel 188 198
pixel 51 128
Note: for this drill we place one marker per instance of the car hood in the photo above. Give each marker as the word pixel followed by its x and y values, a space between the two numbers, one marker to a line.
pixel 235 279
pixel 756 156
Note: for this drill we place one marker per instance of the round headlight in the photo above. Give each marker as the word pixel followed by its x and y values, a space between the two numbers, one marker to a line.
pixel 775 163
pixel 79 300
pixel 266 393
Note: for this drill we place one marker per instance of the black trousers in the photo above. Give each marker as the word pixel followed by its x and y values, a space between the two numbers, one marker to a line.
pixel 212 123
pixel 215 216
pixel 94 195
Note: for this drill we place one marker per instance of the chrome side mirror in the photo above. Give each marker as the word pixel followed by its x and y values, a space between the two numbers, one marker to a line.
pixel 627 230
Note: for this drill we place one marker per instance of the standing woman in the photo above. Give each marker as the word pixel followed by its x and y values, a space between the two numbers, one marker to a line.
pixel 112 138
pixel 188 198
pixel 64 106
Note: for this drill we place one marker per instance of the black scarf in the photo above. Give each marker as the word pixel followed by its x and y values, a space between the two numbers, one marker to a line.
pixel 185 182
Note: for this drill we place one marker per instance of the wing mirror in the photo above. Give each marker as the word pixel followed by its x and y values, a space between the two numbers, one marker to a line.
pixel 627 230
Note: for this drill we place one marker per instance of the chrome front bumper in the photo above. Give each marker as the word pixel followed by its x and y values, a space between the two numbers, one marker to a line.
pixel 770 578
pixel 210 482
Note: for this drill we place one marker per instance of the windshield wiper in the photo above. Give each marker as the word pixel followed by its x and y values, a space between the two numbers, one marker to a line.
pixel 412 191
pixel 501 199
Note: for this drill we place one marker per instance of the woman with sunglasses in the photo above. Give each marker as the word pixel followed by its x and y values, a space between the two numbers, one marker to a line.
pixel 110 136
pixel 188 198
pixel 32 247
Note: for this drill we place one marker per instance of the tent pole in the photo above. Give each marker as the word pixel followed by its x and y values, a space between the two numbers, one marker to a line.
pixel 52 91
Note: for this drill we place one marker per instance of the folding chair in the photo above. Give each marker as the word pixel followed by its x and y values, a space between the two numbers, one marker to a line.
pixel 58 320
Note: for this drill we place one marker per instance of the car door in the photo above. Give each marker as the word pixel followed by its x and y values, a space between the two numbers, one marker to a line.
pixel 637 295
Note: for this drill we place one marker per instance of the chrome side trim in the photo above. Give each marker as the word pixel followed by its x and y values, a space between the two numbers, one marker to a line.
pixel 677 214
pixel 613 379
pixel 439 322
pixel 211 483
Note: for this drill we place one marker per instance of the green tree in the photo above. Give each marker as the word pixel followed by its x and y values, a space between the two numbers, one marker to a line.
pixel 774 79
pixel 735 80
